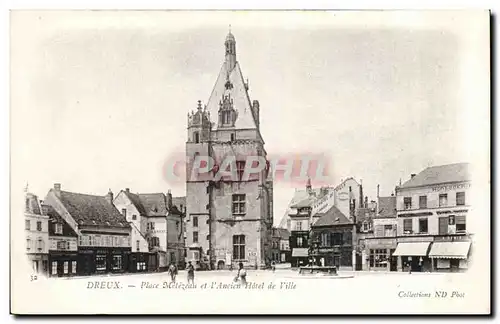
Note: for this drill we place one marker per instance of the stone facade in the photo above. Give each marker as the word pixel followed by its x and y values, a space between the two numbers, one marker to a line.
pixel 228 220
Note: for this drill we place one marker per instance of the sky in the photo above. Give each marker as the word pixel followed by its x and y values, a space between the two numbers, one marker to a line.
pixel 99 100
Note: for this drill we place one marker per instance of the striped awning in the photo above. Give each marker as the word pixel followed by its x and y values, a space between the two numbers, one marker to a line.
pixel 412 249
pixel 450 250
pixel 300 252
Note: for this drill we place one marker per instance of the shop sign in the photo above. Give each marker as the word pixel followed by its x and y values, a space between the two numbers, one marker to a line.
pixel 452 187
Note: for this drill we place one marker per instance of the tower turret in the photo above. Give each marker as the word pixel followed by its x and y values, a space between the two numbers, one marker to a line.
pixel 199 124
pixel 230 45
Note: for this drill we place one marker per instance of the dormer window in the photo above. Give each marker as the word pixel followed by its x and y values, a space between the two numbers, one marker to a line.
pixel 58 228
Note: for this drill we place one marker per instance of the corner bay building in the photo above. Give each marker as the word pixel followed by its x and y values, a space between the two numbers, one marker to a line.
pixel 228 221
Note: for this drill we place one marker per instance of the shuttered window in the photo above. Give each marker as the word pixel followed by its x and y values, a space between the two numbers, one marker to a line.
pixel 460 223
pixel 443 225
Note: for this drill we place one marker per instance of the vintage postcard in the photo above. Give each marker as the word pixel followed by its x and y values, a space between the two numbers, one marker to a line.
pixel 250 162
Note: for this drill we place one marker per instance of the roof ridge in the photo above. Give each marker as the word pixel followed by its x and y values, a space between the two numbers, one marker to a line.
pixel 82 194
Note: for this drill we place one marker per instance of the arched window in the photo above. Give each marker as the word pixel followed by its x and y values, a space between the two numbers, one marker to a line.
pixel 196 137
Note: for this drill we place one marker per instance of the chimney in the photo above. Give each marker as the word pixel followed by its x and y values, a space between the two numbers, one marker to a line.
pixel 57 189
pixel 169 199
pixel 378 190
pixel 412 175
pixel 109 197
pixel 361 195
pixel 366 201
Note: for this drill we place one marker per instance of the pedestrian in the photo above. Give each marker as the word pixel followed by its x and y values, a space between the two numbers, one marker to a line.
pixel 173 271
pixel 273 266
pixel 190 272
pixel 242 275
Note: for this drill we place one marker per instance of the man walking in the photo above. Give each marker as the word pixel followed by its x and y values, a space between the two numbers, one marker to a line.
pixel 173 271
pixel 190 273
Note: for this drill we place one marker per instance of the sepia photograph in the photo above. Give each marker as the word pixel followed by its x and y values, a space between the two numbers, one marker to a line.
pixel 250 162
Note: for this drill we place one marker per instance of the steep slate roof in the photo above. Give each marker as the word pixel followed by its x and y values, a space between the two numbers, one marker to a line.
pixel 136 201
pixel 56 218
pixel 155 204
pixel 179 201
pixel 387 207
pixel 32 204
pixel 456 172
pixel 330 218
pixel 92 210
pixel 239 94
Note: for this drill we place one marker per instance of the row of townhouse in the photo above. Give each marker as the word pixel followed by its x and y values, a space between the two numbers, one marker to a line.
pixel 422 227
pixel 71 233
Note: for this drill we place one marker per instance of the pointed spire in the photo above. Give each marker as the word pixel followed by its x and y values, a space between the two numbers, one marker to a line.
pixel 199 105
pixel 230 47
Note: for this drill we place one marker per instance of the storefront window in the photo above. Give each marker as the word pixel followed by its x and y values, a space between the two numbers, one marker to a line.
pixel 100 262
pixel 66 265
pixel 73 266
pixel 54 267
pixel 378 258
pixel 117 262
pixel 141 266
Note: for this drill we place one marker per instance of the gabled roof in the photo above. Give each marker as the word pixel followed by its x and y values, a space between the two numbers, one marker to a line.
pixel 92 210
pixel 56 218
pixel 344 181
pixel 136 201
pixel 179 202
pixel 32 205
pixel 457 172
pixel 332 217
pixel 155 204
pixel 239 94
pixel 387 207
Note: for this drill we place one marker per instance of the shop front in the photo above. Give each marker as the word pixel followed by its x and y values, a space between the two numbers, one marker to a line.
pixel 300 257
pixel 449 256
pixel 143 262
pixel 63 263
pixel 102 260
pixel 413 256
pixel 378 255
